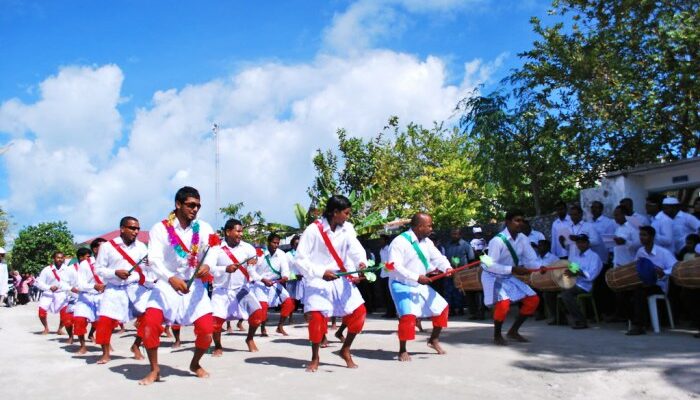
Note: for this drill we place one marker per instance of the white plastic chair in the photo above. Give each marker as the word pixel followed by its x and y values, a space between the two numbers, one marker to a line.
pixel 654 314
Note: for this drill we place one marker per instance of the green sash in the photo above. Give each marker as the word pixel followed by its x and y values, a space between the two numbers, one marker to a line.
pixel 269 264
pixel 516 260
pixel 417 249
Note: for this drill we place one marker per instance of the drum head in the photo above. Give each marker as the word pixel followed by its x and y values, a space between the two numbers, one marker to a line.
pixel 563 281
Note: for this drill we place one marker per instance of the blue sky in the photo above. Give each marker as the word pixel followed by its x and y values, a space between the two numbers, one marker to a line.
pixel 87 84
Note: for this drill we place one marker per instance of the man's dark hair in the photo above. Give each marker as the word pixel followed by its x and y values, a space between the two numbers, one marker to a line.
pixel 417 218
pixel 272 236
pixel 83 251
pixel 514 213
pixel 295 237
pixel 184 192
pixel 96 243
pixel 124 220
pixel 337 202
pixel 57 252
pixel 576 207
pixel 598 203
pixel 231 223
pixel 648 229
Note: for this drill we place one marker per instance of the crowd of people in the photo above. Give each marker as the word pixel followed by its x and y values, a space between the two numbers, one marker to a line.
pixel 16 288
pixel 190 275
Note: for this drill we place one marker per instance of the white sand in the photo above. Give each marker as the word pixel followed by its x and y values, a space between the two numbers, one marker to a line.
pixel 559 363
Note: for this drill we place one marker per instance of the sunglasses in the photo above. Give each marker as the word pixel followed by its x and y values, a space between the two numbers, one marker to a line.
pixel 133 228
pixel 192 205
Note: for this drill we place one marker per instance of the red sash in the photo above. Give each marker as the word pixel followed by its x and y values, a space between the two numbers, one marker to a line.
pixel 329 245
pixel 233 258
pixel 94 275
pixel 55 274
pixel 177 237
pixel 142 277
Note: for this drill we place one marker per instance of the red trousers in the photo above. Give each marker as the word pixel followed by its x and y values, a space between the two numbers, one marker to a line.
pixel 152 326
pixel 65 316
pixel 318 326
pixel 104 328
pixel 356 320
pixel 265 307
pixel 287 307
pixel 407 324
pixel 528 307
pixel 80 326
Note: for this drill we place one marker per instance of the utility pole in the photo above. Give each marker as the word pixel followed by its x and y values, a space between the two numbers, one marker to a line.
pixel 215 131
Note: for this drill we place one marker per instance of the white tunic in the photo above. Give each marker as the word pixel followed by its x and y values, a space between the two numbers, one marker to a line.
pixel 232 297
pixel 165 263
pixel 339 297
pixel 583 228
pixel 624 254
pixel 605 227
pixel 661 258
pixel 50 301
pixel 274 295
pixel 4 278
pixel 497 279
pixel 411 297
pixel 683 225
pixel 88 299
pixel 560 227
pixel 663 225
pixel 590 266
pixel 120 294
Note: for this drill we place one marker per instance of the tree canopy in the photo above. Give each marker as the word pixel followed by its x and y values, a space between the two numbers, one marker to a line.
pixel 35 245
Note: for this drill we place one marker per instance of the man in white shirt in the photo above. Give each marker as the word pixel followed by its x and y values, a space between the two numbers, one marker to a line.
pixel 590 266
pixel 113 267
pixel 578 226
pixel 682 223
pixel 54 281
pixel 534 236
pixel 636 219
pixel 176 250
pixel 661 222
pixel 626 239
pixel 663 261
pixel 384 281
pixel 478 243
pixel 4 277
pixel 233 266
pixel 328 246
pixel 560 228
pixel 273 269
pixel 510 252
pixel 605 227
pixel 412 257
pixel 85 309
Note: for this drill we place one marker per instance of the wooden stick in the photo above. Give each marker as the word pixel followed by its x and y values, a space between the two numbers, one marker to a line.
pixel 448 273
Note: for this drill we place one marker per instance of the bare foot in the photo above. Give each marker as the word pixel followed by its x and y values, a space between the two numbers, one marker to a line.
pixel 404 356
pixel 229 329
pixel 263 333
pixel 435 345
pixel 199 371
pixel 313 366
pixel 137 352
pixel 419 325
pixel 91 339
pixel 70 340
pixel 239 325
pixel 120 331
pixel 334 327
pixel 517 337
pixel 60 332
pixel 345 355
pixel 217 353
pixel 251 345
pixel 324 342
pixel 281 331
pixel 340 336
pixel 82 350
pixel 177 344
pixel 103 360
pixel 498 340
pixel 153 376
pixel 45 331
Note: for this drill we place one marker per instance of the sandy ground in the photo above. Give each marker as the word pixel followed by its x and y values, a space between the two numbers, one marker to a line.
pixel 559 363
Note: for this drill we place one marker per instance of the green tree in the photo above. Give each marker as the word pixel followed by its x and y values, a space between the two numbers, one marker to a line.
pixel 4 226
pixel 622 77
pixel 35 245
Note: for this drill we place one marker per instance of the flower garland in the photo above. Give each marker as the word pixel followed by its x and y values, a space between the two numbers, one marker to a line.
pixel 175 243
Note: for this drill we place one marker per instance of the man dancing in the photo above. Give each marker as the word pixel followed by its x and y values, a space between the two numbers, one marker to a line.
pixel 54 282
pixel 175 253
pixel 232 265
pixel 508 251
pixel 327 246
pixel 413 257
pixel 273 269
pixel 91 287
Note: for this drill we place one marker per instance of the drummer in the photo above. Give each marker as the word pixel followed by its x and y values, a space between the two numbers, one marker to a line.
pixel 590 265
pixel 663 261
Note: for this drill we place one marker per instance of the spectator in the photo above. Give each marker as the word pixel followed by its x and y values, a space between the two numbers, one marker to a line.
pixel 458 252
pixel 4 278
pixel 24 288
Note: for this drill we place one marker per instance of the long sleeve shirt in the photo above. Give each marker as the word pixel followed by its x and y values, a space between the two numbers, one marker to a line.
pixel 164 261
pixel 86 276
pixel 503 262
pixel 47 278
pixel 313 257
pixel 109 261
pixel 606 230
pixel 590 266
pixel 624 253
pixel 560 227
pixel 663 225
pixel 535 236
pixel 548 259
pixel 408 266
pixel 278 261
pixel 683 224
pixel 583 228
pixel 661 258
pixel 218 260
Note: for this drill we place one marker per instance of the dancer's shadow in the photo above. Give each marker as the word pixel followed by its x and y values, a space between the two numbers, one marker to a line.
pixel 286 362
pixel 294 341
pixel 92 359
pixel 378 332
pixel 135 372
pixel 73 348
pixel 384 355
